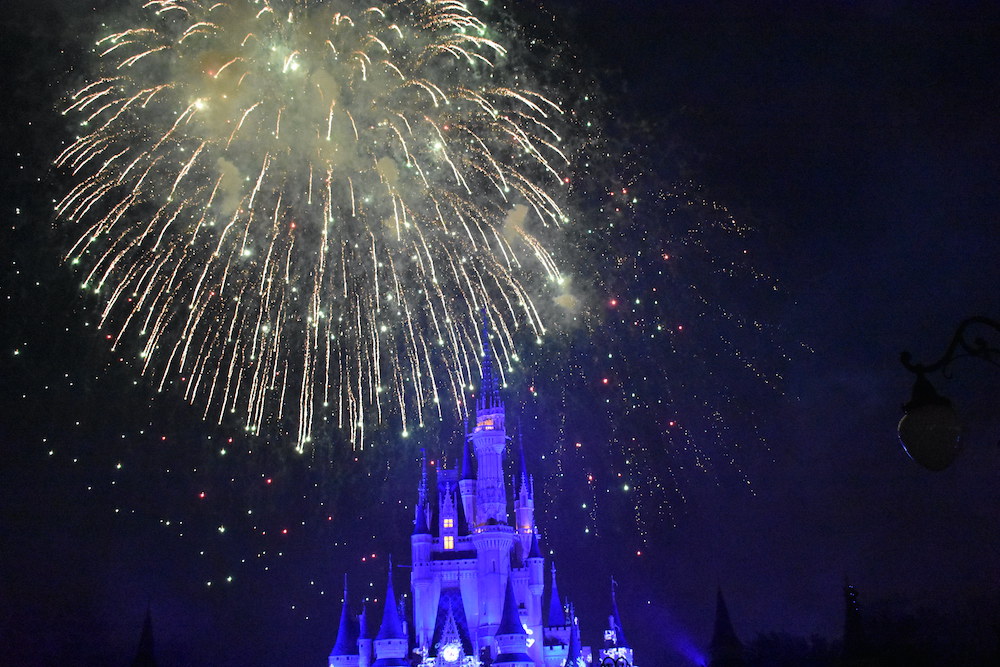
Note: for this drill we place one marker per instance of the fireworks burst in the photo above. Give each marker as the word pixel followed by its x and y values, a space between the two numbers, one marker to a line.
pixel 299 208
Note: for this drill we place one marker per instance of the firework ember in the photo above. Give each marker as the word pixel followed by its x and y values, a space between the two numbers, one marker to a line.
pixel 298 209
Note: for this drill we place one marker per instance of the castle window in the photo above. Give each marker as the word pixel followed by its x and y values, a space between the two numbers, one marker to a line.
pixel 449 542
pixel 449 523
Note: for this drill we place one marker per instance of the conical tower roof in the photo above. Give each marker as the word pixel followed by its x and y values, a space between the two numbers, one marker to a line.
pixel 467 460
pixel 725 648
pixel 524 486
pixel 463 522
pixel 363 631
pixel 510 621
pixel 533 550
pixel 489 392
pixel 391 627
pixel 347 632
pixel 144 654
pixel 617 619
pixel 420 526
pixel 573 650
pixel 557 615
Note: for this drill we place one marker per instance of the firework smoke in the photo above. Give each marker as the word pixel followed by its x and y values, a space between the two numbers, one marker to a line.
pixel 299 208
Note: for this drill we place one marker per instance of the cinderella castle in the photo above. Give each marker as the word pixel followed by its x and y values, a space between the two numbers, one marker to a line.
pixel 478 579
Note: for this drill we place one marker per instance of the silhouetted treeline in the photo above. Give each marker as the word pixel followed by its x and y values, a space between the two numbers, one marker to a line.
pixel 897 636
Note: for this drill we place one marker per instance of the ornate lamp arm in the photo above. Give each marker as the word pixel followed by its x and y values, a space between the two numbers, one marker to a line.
pixel 978 348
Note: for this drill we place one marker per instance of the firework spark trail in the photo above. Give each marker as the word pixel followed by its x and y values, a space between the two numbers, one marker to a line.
pixel 305 201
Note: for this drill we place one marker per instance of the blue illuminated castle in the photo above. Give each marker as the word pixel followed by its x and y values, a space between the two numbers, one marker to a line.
pixel 478 574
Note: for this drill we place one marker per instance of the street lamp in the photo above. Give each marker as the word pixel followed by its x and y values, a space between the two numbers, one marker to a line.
pixel 930 431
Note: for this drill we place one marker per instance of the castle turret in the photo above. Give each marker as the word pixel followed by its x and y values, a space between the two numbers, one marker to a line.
pixel 492 537
pixel 390 642
pixel 345 648
pixel 556 633
pixel 557 613
pixel 511 638
pixel 524 505
pixel 467 481
pixel 365 650
pixel 489 438
pixel 725 649
pixel 574 652
pixel 615 644
pixel 535 565
pixel 422 575
pixel 144 654
pixel 448 512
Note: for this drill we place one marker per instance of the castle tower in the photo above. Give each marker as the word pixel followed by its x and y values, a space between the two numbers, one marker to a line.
pixel 725 649
pixel 467 481
pixel 365 648
pixel 574 652
pixel 615 643
pixel 144 654
pixel 390 642
pixel 489 439
pixel 535 565
pixel 492 537
pixel 524 505
pixel 511 638
pixel 345 648
pixel 422 581
pixel 448 510
pixel 556 633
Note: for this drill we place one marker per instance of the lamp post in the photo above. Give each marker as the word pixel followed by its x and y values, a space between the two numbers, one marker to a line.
pixel 930 431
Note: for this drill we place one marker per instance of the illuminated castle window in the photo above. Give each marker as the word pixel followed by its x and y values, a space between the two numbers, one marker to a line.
pixel 449 523
pixel 449 542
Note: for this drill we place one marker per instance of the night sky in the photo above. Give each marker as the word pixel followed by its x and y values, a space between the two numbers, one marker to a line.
pixel 860 147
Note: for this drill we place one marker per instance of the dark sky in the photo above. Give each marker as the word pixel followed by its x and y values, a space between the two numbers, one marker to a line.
pixel 861 144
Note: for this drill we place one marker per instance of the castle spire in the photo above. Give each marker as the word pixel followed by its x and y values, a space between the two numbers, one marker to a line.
pixel 573 650
pixel 511 637
pixel 725 648
pixel 144 655
pixel 616 620
pixel 420 526
pixel 510 622
pixel 489 438
pixel 525 488
pixel 466 460
pixel 534 551
pixel 557 614
pixel 489 392
pixel 391 627
pixel 347 633
pixel 391 643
